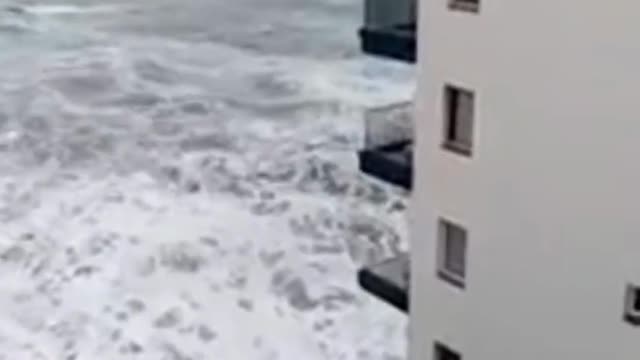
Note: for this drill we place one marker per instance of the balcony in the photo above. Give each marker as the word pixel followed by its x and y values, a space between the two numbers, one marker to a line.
pixel 390 29
pixel 388 152
pixel 389 281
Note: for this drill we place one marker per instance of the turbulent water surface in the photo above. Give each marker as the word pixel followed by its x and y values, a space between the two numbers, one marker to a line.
pixel 178 181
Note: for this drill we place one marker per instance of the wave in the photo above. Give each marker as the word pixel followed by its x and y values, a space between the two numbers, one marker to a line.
pixel 64 9
pixel 155 187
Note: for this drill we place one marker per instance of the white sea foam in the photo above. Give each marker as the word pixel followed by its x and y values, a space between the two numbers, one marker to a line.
pixel 174 199
pixel 63 9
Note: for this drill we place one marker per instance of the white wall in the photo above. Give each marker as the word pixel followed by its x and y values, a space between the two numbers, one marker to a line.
pixel 551 196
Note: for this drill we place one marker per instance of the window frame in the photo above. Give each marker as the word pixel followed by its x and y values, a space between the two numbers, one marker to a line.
pixel 444 273
pixel 631 304
pixel 464 5
pixel 451 120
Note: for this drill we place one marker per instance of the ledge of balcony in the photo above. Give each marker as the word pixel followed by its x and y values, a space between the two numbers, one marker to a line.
pixel 387 153
pixel 391 163
pixel 394 42
pixel 388 281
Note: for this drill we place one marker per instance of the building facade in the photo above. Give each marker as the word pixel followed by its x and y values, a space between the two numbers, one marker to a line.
pixel 526 199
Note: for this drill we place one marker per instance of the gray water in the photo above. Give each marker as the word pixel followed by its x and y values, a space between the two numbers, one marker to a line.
pixel 178 181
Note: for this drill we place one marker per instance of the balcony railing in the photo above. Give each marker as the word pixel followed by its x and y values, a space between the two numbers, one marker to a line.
pixel 388 148
pixel 388 280
pixel 389 29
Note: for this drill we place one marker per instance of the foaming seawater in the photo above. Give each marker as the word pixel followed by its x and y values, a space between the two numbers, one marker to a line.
pixel 65 9
pixel 160 194
pixel 14 20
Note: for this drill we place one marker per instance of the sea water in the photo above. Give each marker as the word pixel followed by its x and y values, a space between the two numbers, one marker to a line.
pixel 178 180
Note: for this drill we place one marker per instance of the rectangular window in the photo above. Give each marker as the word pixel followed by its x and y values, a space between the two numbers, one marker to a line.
pixel 442 352
pixel 465 5
pixel 632 305
pixel 458 118
pixel 452 249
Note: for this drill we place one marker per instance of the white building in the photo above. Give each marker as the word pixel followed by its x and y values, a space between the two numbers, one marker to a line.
pixel 526 210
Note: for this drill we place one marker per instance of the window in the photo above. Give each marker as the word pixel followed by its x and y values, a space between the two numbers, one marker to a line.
pixel 442 352
pixel 465 5
pixel 458 117
pixel 632 305
pixel 452 248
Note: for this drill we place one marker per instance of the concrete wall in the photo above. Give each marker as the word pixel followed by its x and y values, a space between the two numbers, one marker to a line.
pixel 551 195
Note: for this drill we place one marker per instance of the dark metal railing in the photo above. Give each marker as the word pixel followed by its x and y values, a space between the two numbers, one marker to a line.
pixel 388 144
